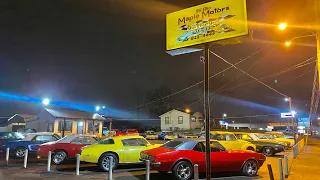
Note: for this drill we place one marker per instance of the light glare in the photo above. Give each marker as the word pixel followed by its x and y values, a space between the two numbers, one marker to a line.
pixel 282 26
pixel 46 101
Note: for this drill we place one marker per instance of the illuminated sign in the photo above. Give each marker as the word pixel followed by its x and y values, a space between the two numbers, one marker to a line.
pixel 304 122
pixel 213 21
pixel 287 115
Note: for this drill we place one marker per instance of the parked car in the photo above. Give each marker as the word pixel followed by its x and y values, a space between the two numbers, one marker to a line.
pixel 268 148
pixel 230 141
pixel 130 132
pixel 167 135
pixel 288 142
pixel 66 148
pixel 188 135
pixel 30 142
pixel 151 135
pixel 280 134
pixel 123 149
pixel 9 136
pixel 180 155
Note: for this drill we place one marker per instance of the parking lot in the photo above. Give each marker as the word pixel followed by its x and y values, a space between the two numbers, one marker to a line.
pixel 37 169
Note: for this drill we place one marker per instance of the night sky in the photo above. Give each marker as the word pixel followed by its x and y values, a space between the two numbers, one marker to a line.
pixel 112 52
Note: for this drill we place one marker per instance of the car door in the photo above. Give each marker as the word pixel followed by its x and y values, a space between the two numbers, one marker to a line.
pixel 132 148
pixel 220 158
pixel 199 156
pixel 233 143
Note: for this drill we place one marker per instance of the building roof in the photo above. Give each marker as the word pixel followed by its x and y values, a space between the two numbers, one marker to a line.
pixel 68 114
pixel 182 111
pixel 24 116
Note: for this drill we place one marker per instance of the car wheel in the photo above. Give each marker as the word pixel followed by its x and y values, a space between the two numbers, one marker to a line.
pixel 250 168
pixel 59 156
pixel 250 148
pixel 104 162
pixel 268 151
pixel 183 170
pixel 20 152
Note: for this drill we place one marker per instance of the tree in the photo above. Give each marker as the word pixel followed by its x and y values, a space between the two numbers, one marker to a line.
pixel 161 100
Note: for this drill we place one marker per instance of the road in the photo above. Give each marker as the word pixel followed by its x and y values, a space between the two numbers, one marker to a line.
pixel 37 170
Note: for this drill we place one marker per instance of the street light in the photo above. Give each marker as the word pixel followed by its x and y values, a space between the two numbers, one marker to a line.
pixel 187 110
pixel 286 99
pixel 97 108
pixel 282 26
pixel 224 115
pixel 287 43
pixel 46 101
pixel 103 107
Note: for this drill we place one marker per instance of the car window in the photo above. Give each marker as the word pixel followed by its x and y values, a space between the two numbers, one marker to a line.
pixel 224 137
pixel 8 136
pixel 214 147
pixel 134 142
pixel 107 141
pixel 172 144
pixel 84 140
pixel 199 147
pixel 46 138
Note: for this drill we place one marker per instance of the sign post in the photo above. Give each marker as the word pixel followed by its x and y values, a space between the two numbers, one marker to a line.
pixel 202 24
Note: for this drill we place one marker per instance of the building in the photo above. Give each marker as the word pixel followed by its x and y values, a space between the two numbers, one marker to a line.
pixel 179 120
pixel 18 121
pixel 67 122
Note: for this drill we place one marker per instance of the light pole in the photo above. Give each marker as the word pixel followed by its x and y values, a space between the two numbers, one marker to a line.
pixel 224 115
pixel 289 100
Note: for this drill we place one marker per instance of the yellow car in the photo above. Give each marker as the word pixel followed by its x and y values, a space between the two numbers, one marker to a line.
pixel 230 141
pixel 151 135
pixel 289 142
pixel 123 149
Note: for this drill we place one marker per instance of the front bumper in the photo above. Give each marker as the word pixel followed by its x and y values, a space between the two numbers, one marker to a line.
pixel 152 163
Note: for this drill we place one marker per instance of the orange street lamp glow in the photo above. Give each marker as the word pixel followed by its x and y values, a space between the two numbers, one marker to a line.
pixel 187 110
pixel 282 26
pixel 288 43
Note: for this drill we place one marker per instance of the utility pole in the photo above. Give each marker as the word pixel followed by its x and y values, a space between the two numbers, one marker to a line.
pixel 317 14
pixel 293 121
pixel 207 108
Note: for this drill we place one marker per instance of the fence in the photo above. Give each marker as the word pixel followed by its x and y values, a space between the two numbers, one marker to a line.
pixel 298 147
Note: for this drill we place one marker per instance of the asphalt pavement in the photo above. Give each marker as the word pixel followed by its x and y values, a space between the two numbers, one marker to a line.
pixel 37 169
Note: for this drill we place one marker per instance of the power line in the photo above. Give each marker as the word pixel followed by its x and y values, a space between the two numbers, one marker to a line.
pixel 249 75
pixel 297 66
pixel 194 85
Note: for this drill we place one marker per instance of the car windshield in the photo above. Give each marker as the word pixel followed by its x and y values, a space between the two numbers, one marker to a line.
pixel 261 136
pixel 106 141
pixel 254 137
pixel 151 133
pixel 269 136
pixel 10 136
pixel 224 137
pixel 172 144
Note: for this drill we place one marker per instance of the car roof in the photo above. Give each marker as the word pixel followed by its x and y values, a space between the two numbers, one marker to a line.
pixel 30 136
pixel 126 137
pixel 69 138
pixel 220 132
pixel 193 139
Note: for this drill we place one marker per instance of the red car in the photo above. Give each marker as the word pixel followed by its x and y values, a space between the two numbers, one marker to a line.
pixel 180 155
pixel 66 148
pixel 131 132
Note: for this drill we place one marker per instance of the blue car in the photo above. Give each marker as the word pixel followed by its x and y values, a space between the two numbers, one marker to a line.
pixel 9 136
pixel 30 142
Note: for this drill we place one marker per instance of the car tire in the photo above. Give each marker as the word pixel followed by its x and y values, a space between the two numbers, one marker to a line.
pixel 250 168
pixel 183 170
pixel 268 151
pixel 103 162
pixel 250 148
pixel 59 156
pixel 19 152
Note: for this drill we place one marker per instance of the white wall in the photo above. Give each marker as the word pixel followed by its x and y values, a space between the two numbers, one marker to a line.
pixel 199 121
pixel 173 120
